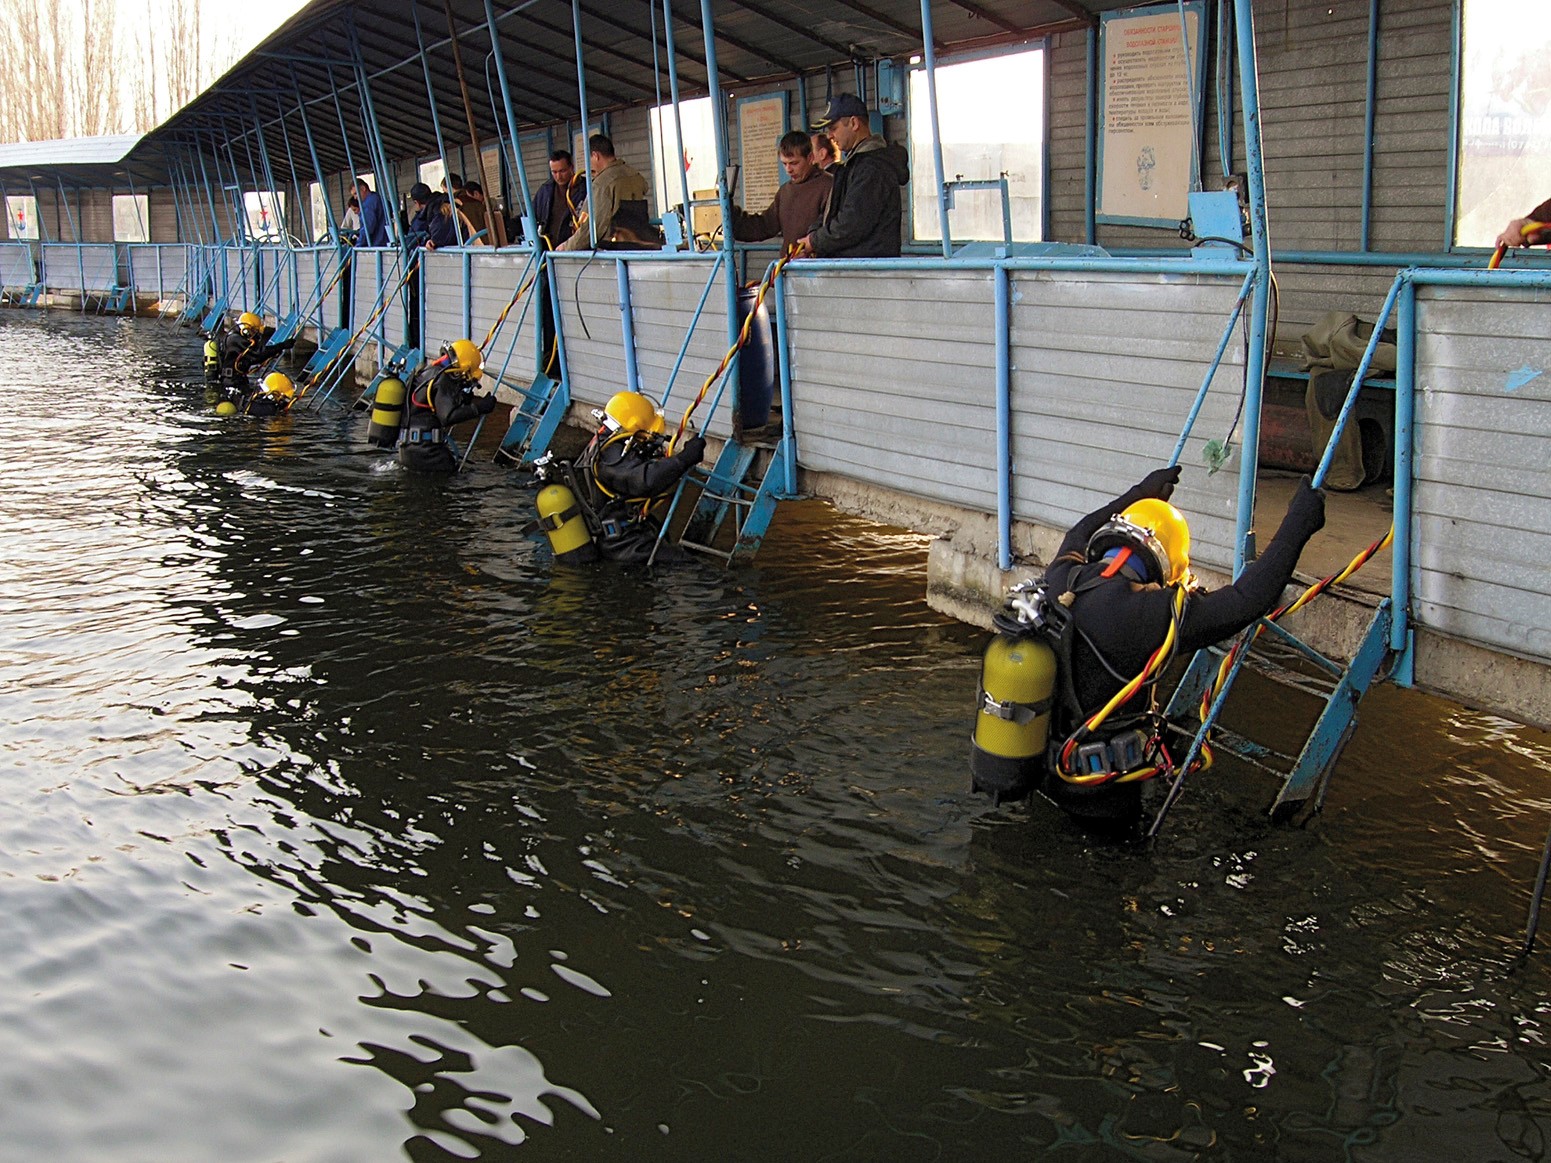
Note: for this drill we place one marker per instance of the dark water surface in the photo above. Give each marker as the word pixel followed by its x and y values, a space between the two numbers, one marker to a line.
pixel 336 825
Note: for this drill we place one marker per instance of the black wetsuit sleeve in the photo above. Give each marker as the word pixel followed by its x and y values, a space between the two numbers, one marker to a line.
pixel 452 405
pixel 629 474
pixel 1212 617
pixel 1078 536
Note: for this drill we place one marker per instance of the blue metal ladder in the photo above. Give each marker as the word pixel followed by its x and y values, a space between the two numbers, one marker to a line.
pixel 403 363
pixel 728 490
pixel 535 420
pixel 1291 663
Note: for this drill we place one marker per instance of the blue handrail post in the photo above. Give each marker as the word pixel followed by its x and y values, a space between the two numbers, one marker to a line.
pixel 1368 119
pixel 627 327
pixel 581 93
pixel 1003 415
pixel 930 56
pixel 1402 637
pixel 719 124
pixel 1254 371
pixel 511 124
pixel 784 347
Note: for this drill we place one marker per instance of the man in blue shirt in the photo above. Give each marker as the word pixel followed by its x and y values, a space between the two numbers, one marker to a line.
pixel 374 216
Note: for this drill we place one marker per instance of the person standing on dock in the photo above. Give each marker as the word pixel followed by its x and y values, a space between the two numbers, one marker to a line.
pixel 799 201
pixel 374 216
pixel 824 153
pixel 619 203
pixel 862 218
pixel 559 200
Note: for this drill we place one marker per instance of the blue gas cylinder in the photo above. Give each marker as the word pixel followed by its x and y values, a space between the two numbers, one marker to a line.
pixel 756 364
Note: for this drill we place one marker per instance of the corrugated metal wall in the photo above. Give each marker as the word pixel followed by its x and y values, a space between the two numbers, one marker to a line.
pixel 1312 76
pixel 1483 468
pixel 894 381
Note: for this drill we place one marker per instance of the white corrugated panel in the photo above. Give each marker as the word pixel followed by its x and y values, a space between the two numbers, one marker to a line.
pixel 15 264
pixel 1105 370
pixel 1482 492
pixel 590 325
pixel 663 299
pixel 442 292
pixel 238 287
pixel 494 279
pixel 894 382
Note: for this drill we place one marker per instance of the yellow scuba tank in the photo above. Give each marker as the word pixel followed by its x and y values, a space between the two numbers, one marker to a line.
pixel 212 361
pixel 387 413
pixel 1017 691
pixel 561 519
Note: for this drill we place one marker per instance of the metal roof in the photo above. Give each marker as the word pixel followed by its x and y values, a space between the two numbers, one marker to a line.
pixel 312 57
pixel 88 161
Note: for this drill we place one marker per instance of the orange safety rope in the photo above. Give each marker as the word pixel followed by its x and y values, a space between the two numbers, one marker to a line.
pixel 362 330
pixel 743 337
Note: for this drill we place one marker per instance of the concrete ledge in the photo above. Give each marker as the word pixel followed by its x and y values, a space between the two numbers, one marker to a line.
pixel 964 582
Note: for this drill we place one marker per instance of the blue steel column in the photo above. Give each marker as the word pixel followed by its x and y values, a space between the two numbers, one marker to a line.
pixel 1003 417
pixel 511 120
pixel 581 92
pixel 930 53
pixel 1249 453
pixel 303 213
pixel 1368 116
pixel 678 120
pixel 344 132
pixel 1090 142
pixel 719 124
pixel 436 121
pixel 1401 639
pixel 312 151
pixel 374 134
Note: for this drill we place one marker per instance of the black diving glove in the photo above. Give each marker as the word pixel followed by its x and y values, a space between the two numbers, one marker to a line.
pixel 288 344
pixel 1305 514
pixel 693 451
pixel 484 405
pixel 1159 483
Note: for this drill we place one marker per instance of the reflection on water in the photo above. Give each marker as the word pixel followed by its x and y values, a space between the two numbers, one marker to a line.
pixel 338 825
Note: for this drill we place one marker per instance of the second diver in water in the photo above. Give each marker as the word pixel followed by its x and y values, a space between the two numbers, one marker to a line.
pixel 440 396
pixel 604 502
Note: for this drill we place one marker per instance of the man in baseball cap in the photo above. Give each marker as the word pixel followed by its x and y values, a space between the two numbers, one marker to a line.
pixel 862 217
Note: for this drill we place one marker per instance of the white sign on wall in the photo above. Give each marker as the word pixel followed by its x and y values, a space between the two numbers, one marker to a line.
pixel 1150 110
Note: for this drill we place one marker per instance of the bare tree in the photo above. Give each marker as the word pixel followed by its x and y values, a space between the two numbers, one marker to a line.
pixel 74 69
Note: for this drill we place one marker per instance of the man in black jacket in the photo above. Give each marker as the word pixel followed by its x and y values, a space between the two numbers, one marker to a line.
pixel 862 218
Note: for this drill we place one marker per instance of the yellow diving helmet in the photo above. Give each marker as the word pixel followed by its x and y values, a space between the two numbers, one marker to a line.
pixel 464 358
pixel 632 412
pixel 1156 532
pixel 279 384
pixel 248 322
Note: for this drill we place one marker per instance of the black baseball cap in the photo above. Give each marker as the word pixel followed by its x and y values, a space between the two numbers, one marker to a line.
pixel 842 105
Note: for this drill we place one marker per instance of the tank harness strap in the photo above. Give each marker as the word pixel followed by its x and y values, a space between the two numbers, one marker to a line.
pixel 1011 712
pixel 552 522
pixel 425 436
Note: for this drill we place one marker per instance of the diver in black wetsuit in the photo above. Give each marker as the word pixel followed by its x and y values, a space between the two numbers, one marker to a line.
pixel 1118 570
pixel 624 469
pixel 442 395
pixel 243 350
pixel 273 398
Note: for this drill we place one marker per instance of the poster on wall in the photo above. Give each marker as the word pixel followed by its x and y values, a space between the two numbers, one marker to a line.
pixel 761 124
pixel 1150 98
